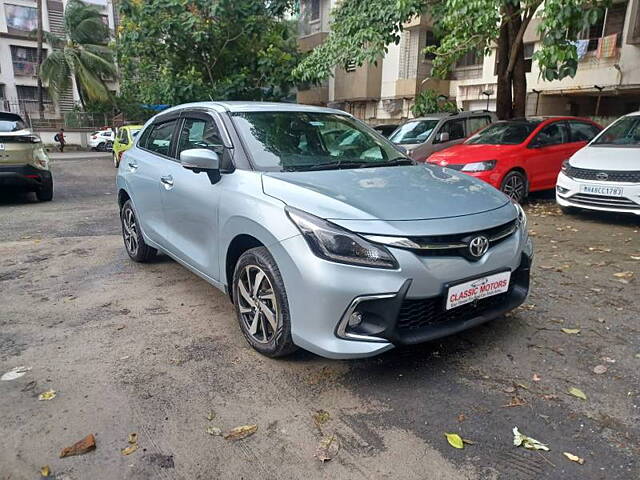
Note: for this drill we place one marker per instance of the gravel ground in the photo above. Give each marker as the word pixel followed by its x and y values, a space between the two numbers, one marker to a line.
pixel 155 350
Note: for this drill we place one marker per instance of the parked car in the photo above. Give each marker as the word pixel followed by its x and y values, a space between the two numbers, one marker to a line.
pixel 520 156
pixel 24 164
pixel 386 129
pixel 100 140
pixel 421 137
pixel 605 175
pixel 123 141
pixel 345 250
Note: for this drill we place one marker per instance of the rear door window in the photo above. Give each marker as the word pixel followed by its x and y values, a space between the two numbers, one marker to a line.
pixel 476 123
pixel 159 138
pixel 582 131
pixel 553 134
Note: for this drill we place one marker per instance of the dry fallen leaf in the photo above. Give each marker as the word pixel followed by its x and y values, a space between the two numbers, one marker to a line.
pixel 48 395
pixel 515 402
pixel 215 431
pixel 133 438
pixel 454 440
pixel 211 415
pixel 571 331
pixel 320 417
pixel 625 275
pixel 573 458
pixel 45 471
pixel 527 442
pixel 130 449
pixel 536 377
pixel 327 448
pixel 241 432
pixel 599 369
pixel 576 392
pixel 85 445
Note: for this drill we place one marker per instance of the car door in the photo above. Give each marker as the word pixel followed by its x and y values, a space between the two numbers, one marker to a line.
pixel 455 129
pixel 189 200
pixel 545 153
pixel 142 169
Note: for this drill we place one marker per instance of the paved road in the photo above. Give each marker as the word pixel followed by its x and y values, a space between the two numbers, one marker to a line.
pixel 153 349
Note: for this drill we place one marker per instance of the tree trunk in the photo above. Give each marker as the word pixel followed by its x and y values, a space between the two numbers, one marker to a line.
pixel 503 94
pixel 39 59
pixel 80 93
pixel 518 75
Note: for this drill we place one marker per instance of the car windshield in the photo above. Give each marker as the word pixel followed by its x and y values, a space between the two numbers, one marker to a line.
pixel 287 141
pixel 503 134
pixel 413 132
pixel 623 133
pixel 11 123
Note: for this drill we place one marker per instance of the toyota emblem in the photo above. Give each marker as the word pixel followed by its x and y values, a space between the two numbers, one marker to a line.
pixel 479 246
pixel 602 176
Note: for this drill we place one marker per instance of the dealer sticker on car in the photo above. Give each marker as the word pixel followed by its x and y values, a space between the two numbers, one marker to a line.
pixel 477 289
pixel 601 190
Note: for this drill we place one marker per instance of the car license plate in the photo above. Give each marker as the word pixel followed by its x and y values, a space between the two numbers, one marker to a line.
pixel 601 190
pixel 1 147
pixel 477 289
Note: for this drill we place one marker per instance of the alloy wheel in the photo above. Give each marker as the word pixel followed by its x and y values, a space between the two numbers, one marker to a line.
pixel 257 304
pixel 130 231
pixel 514 187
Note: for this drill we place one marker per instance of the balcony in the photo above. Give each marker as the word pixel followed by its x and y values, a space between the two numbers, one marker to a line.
pixel 311 41
pixel 363 83
pixel 313 96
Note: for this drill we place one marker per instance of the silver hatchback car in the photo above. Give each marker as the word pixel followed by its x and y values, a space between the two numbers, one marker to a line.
pixel 325 236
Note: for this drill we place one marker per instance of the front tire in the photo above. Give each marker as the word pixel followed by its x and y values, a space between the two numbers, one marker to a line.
pixel 261 303
pixel 515 186
pixel 134 242
pixel 45 193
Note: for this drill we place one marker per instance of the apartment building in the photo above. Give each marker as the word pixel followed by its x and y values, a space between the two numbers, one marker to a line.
pixel 607 83
pixel 18 54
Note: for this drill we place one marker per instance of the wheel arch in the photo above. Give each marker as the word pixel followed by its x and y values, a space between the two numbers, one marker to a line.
pixel 123 196
pixel 240 244
pixel 518 169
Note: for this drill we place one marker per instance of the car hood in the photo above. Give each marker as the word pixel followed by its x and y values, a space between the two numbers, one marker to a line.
pixel 418 192
pixel 607 158
pixel 466 153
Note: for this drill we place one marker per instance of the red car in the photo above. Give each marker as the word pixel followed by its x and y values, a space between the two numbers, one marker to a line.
pixel 519 156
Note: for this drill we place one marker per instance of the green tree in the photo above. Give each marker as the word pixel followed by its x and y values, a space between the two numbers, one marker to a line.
pixel 175 51
pixel 83 55
pixel 363 29
pixel 430 101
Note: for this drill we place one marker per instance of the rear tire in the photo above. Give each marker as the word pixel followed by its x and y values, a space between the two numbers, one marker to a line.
pixel 515 186
pixel 45 194
pixel 261 304
pixel 134 242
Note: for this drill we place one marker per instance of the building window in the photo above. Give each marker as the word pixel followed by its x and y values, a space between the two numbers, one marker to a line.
pixel 314 10
pixel 28 98
pixel 611 22
pixel 25 60
pixel 21 20
pixel 528 56
pixel 431 41
pixel 470 59
pixel 633 36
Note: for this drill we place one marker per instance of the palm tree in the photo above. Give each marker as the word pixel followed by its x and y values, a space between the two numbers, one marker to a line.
pixel 83 55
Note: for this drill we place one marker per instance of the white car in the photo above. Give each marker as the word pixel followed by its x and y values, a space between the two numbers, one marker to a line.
pixel 101 139
pixel 604 175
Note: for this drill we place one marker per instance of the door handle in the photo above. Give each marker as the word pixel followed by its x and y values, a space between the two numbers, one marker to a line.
pixel 133 166
pixel 167 181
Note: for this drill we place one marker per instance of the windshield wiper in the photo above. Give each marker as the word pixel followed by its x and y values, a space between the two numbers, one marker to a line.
pixel 395 161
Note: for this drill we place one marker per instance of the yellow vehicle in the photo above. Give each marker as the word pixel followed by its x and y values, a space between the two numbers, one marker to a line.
pixel 123 141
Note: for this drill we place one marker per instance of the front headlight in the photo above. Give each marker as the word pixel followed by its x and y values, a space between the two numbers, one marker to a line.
pixel 336 244
pixel 479 166
pixel 565 166
pixel 522 217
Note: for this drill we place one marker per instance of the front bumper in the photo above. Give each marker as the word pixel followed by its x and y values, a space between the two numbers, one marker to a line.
pixel 400 307
pixel 568 194
pixel 23 177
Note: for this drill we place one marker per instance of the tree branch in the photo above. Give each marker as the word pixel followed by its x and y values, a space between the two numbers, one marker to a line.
pixel 515 46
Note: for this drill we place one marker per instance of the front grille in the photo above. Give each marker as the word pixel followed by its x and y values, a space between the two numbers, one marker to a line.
pixel 631 176
pixel 603 201
pixel 457 244
pixel 427 312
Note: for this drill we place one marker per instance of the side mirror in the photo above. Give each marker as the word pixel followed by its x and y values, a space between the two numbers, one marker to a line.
pixel 442 137
pixel 202 160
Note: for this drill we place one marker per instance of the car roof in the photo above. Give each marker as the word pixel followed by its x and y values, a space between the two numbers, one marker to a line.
pixel 238 106
pixel 441 115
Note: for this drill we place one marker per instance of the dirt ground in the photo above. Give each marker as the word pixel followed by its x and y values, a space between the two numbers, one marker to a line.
pixel 155 350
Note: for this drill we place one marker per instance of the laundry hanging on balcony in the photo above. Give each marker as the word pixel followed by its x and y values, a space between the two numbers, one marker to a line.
pixel 581 48
pixel 607 46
